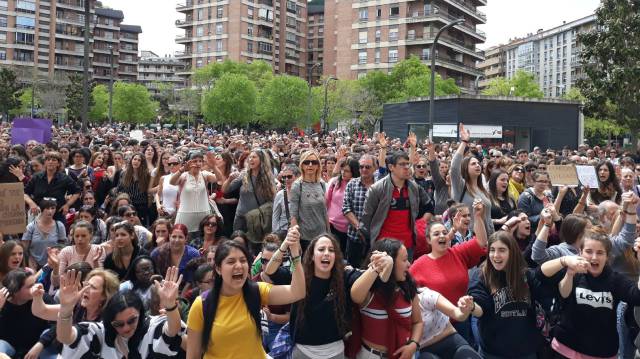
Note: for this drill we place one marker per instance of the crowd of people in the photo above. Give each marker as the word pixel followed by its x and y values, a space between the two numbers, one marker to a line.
pixel 206 244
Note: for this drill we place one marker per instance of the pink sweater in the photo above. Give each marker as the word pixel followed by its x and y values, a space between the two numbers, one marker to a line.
pixel 68 256
pixel 334 198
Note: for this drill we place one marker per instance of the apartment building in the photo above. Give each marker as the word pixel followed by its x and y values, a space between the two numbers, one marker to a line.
pixel 552 56
pixel 493 66
pixel 315 39
pixel 244 31
pixel 49 36
pixel 367 35
pixel 155 71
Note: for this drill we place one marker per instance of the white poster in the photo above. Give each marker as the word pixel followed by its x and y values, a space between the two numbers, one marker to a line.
pixel 477 131
pixel 587 176
pixel 136 134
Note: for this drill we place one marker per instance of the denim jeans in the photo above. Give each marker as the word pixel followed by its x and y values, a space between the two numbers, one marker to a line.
pixel 7 348
pixel 626 349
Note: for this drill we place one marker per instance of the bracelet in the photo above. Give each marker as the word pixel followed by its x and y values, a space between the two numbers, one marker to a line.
pixel 547 225
pixel 474 307
pixel 296 258
pixel 172 308
pixel 415 342
pixel 465 141
pixel 66 318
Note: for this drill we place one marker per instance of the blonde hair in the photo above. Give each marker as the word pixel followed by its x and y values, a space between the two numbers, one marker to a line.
pixel 110 285
pixel 304 157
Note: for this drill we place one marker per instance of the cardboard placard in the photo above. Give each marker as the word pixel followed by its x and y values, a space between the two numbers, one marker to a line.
pixel 587 176
pixel 563 175
pixel 137 135
pixel 12 214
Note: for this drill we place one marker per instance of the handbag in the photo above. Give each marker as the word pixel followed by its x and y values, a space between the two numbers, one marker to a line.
pixel 258 219
pixel 282 346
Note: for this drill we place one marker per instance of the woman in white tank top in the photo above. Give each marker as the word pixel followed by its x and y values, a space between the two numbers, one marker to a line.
pixel 167 195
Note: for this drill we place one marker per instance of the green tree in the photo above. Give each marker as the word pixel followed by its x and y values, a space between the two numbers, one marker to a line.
pixel 132 103
pixel 610 57
pixel 232 101
pixel 24 100
pixel 260 72
pixel 9 92
pixel 283 102
pixel 99 110
pixel 73 94
pixel 523 84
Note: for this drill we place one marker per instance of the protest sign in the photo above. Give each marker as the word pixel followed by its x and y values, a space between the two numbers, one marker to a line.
pixel 137 135
pixel 35 124
pixel 563 175
pixel 12 215
pixel 587 176
pixel 23 135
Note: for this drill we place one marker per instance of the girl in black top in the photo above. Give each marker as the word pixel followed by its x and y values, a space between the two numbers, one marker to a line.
pixel 589 295
pixel 504 299
pixel 136 182
pixel 608 185
pixel 501 202
pixel 125 249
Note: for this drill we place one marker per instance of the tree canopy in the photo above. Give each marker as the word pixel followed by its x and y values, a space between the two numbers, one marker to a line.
pixel 9 91
pixel 100 108
pixel 232 101
pixel 283 102
pixel 132 103
pixel 523 84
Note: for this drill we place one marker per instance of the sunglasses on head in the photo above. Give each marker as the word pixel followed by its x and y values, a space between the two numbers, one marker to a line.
pixel 119 324
pixel 311 162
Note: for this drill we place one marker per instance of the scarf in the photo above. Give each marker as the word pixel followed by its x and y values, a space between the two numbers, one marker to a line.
pixel 515 189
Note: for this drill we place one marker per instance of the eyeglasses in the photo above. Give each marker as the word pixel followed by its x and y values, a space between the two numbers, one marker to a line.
pixel 518 170
pixel 542 181
pixel 88 186
pixel 119 324
pixel 532 169
pixel 365 167
pixel 264 260
pixel 286 177
pixel 173 163
pixel 311 162
pixel 130 214
pixel 403 164
pixel 212 224
pixel 542 168
pixel 421 166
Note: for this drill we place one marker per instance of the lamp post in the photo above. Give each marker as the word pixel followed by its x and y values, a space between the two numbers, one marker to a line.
pixel 309 99
pixel 323 123
pixel 111 86
pixel 85 66
pixel 433 72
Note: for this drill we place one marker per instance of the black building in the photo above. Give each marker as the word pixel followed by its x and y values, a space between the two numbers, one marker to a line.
pixel 547 123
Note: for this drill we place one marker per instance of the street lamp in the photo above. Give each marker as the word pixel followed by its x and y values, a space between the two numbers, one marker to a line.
pixel 323 123
pixel 111 87
pixel 309 99
pixel 433 72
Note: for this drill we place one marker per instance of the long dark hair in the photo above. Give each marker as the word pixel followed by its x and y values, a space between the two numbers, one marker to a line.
pixel 210 305
pixel 142 174
pixel 115 305
pixel 336 283
pixel 5 175
pixel 611 182
pixel 514 272
pixel 407 287
pixel 493 188
pixel 353 165
pixel 467 177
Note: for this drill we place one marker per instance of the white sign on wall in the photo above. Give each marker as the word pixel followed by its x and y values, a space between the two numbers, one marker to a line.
pixel 477 131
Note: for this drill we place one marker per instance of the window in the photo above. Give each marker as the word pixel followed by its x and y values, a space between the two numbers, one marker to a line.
pixel 362 75
pixel 291 6
pixel 378 35
pixel 362 57
pixel 363 14
pixel 219 12
pixel 250 46
pixel 3 37
pixel 362 37
pixel 28 6
pixel 4 4
pixel 393 34
pixel 22 38
pixel 411 34
pixel 199 63
pixel 320 30
pixel 377 55
pixel 250 30
pixel 23 22
pixel 3 54
pixel 218 29
pixel 3 20
pixel 393 55
pixel 378 13
pixel 200 14
pixel 200 31
pixel 250 13
pixel 426 54
pixel 219 45
pixel 200 47
pixel 292 38
pixel 265 47
pixel 291 21
pixel 394 11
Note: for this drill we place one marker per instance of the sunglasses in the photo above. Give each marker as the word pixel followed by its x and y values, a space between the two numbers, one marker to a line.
pixel 286 177
pixel 264 260
pixel 421 166
pixel 365 167
pixel 130 214
pixel 311 162
pixel 173 163
pixel 87 186
pixel 119 324
pixel 212 224
pixel 519 170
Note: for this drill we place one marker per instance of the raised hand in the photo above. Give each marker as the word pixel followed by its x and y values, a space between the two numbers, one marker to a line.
pixel 37 290
pixel 382 140
pixel 546 217
pixel 478 207
pixel 70 291
pixel 4 295
pixel 412 139
pixel 169 288
pixel 293 240
pixel 465 304
pixel 95 259
pixel 576 264
pixel 16 171
pixel 465 135
pixel 52 259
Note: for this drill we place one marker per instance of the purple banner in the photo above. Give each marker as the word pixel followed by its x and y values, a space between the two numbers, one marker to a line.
pixel 23 135
pixel 36 124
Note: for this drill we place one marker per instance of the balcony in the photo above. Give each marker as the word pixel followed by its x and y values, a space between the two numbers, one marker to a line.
pixel 70 4
pixel 181 39
pixel 184 23
pixel 452 64
pixel 436 14
pixel 447 40
pixel 71 18
pixel 183 54
pixel 185 7
pixel 460 4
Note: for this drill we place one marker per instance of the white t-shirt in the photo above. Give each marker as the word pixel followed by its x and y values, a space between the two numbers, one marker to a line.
pixel 434 320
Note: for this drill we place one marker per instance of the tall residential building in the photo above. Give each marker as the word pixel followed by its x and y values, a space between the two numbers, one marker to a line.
pixel 552 56
pixel 49 36
pixel 493 66
pixel 154 70
pixel 269 30
pixel 362 36
pixel 315 38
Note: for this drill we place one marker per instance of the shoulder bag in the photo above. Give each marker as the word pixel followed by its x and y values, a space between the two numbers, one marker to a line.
pixel 258 219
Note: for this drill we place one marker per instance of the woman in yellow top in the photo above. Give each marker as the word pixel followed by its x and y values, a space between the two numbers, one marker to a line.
pixel 225 322
pixel 516 181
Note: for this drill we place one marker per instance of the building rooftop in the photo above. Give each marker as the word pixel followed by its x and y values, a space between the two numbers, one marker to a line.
pixel 131 28
pixel 114 14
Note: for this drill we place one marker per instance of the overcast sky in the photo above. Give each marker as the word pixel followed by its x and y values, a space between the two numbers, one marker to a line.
pixel 505 19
